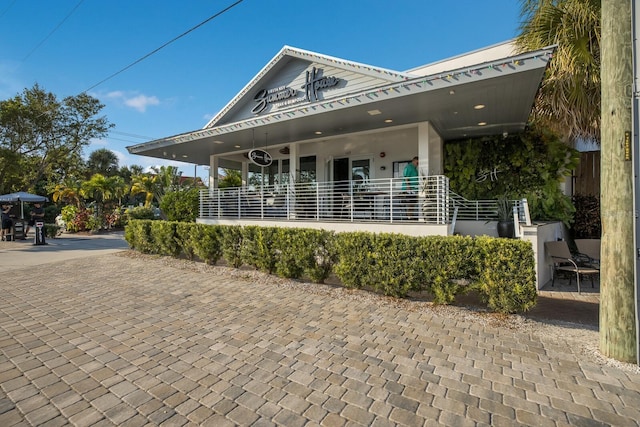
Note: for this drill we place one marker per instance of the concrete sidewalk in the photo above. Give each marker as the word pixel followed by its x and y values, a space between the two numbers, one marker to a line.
pixel 24 254
pixel 133 341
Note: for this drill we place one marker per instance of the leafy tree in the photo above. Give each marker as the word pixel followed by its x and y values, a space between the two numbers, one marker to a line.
pixel 569 98
pixel 41 137
pixel 102 161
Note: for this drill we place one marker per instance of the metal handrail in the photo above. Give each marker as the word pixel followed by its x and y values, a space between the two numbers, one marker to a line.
pixel 375 200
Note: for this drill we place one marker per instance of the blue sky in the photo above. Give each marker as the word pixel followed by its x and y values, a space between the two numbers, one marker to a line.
pixel 68 46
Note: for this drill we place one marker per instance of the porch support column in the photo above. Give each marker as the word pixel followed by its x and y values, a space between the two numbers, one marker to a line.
pixel 294 176
pixel 213 171
pixel 430 162
pixel 430 150
pixel 245 173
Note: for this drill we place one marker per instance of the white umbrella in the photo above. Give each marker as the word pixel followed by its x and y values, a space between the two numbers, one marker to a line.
pixel 22 197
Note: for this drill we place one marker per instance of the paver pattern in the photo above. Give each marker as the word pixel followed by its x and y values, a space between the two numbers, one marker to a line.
pixel 111 340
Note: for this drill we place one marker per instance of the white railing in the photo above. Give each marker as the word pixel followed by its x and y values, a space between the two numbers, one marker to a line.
pixel 376 200
pixel 483 210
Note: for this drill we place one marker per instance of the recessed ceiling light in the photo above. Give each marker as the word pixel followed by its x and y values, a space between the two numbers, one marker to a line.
pixel 374 112
pixel 318 132
pixel 184 156
pixel 455 112
pixel 388 121
pixel 482 124
pixel 452 92
pixel 218 142
pixel 478 106
pixel 237 146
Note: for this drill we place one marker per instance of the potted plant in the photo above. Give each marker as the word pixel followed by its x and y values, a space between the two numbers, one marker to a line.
pixel 506 227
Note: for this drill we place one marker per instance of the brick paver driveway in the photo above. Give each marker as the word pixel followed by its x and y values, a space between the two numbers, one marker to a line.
pixel 114 340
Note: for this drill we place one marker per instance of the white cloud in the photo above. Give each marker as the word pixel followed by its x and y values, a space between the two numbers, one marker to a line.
pixel 138 102
pixel 141 102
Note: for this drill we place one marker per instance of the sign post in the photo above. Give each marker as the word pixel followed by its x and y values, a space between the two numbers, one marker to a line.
pixel 39 237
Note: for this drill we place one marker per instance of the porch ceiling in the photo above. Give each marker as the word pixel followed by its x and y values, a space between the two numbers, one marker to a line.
pixel 506 92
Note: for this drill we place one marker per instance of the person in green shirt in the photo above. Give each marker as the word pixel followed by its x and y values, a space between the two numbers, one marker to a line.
pixel 410 174
pixel 410 185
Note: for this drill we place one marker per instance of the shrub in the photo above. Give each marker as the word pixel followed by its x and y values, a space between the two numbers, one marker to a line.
pixel 395 268
pixel 506 274
pixel 293 253
pixel 164 236
pixel 184 239
pixel 232 245
pixel 258 249
pixel 207 242
pixel 51 230
pixel 140 212
pixel 446 260
pixel 502 270
pixel 356 258
pixel 137 233
pixel 323 254
pixel 181 205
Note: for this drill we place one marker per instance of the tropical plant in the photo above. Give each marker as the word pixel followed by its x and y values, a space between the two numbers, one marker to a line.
pixel 230 178
pixel 504 209
pixel 569 98
pixel 144 184
pixel 530 165
pixel 67 191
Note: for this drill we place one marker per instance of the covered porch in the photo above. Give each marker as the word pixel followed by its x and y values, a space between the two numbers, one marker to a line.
pixel 376 204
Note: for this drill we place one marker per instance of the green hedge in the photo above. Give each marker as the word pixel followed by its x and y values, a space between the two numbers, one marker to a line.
pixel 502 271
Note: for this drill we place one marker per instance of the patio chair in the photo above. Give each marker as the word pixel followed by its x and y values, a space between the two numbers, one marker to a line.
pixel 564 261
pixel 589 248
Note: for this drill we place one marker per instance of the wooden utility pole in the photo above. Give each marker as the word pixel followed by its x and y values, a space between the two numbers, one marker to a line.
pixel 617 285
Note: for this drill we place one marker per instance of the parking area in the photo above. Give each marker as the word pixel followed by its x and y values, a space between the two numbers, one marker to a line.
pixel 106 338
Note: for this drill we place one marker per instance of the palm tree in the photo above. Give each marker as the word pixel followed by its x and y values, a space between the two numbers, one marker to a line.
pixel 144 184
pixel 569 99
pixel 67 191
pixel 119 186
pixel 103 161
pixel 98 188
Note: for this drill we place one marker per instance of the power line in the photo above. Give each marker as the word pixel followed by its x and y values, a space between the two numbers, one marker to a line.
pixel 132 135
pixel 165 45
pixel 53 31
pixel 7 9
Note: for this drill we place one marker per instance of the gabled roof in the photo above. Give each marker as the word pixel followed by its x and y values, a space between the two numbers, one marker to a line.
pixel 378 76
pixel 487 97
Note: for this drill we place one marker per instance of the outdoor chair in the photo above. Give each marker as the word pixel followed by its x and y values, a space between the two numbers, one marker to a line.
pixel 589 248
pixel 565 262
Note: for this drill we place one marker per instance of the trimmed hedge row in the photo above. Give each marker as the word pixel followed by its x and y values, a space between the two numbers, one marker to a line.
pixel 501 270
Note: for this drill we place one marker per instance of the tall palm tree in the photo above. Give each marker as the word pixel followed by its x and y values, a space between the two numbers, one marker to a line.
pixel 103 161
pixel 119 186
pixel 569 98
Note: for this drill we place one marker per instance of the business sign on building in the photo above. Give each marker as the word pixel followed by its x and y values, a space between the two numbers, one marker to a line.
pixel 260 157
pixel 284 96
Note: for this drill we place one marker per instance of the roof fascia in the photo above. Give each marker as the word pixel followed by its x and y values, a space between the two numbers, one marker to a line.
pixel 421 83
